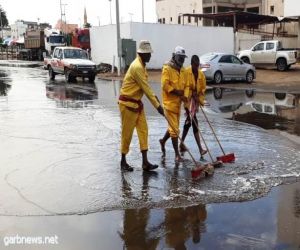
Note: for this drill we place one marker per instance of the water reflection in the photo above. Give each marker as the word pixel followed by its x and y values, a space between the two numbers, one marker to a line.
pixel 173 227
pixel 4 87
pixel 72 96
pixel 268 110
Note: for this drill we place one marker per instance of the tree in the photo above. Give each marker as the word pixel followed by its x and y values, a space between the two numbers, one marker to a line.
pixel 4 21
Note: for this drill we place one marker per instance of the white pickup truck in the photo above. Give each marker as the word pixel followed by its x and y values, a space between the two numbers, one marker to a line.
pixel 269 53
pixel 71 62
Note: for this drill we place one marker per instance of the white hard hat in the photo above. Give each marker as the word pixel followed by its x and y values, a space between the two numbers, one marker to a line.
pixel 144 47
pixel 179 51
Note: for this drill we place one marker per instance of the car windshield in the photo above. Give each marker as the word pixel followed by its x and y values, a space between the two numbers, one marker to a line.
pixel 75 53
pixel 208 57
pixel 56 39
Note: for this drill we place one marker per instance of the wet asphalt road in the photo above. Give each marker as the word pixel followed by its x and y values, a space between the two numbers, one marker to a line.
pixel 60 153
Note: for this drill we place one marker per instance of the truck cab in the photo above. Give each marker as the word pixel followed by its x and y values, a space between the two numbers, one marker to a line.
pixel 53 38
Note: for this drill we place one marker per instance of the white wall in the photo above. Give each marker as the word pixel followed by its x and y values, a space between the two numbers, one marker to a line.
pixel 164 38
pixel 246 41
pixel 104 42
pixel 291 8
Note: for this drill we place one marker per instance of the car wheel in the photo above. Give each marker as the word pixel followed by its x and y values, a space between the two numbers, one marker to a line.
pixel 218 93
pixel 250 93
pixel 249 76
pixel 218 77
pixel 68 75
pixel 245 59
pixel 92 78
pixel 51 73
pixel 281 64
pixel 280 96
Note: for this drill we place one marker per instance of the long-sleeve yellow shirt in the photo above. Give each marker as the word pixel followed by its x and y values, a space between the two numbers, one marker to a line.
pixel 172 79
pixel 198 87
pixel 135 85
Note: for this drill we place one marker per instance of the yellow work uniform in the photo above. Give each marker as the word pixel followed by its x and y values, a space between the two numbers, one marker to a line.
pixel 172 79
pixel 134 86
pixel 198 88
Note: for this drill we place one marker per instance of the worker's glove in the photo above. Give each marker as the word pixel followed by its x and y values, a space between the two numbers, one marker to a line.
pixel 161 110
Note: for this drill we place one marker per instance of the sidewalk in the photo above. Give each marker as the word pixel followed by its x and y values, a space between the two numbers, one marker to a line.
pixel 265 78
pixel 20 63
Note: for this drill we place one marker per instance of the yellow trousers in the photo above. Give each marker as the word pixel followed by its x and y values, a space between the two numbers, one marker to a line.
pixel 131 120
pixel 173 119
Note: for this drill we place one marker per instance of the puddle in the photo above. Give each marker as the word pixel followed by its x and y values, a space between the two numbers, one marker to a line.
pixel 60 153
pixel 268 110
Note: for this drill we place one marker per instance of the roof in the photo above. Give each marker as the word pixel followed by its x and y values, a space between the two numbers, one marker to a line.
pixel 242 18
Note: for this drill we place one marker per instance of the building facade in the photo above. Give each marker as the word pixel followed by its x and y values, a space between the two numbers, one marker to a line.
pixel 170 12
pixel 18 29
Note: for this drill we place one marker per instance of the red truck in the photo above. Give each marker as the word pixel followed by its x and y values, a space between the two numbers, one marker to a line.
pixel 81 39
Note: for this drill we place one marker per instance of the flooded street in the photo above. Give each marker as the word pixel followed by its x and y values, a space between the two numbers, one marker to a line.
pixel 60 159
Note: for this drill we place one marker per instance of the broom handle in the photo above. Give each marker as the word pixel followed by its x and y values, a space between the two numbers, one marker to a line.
pixel 201 136
pixel 212 129
pixel 181 141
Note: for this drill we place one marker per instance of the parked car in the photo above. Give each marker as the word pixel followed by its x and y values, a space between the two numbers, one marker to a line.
pixel 219 67
pixel 269 53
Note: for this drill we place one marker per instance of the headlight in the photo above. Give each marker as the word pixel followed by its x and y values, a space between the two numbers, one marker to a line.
pixel 72 66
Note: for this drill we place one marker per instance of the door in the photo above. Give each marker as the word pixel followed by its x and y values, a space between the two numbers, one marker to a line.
pixel 238 68
pixel 257 54
pixel 270 53
pixel 225 66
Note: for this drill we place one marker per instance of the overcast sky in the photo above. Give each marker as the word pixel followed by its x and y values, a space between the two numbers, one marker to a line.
pixel 49 10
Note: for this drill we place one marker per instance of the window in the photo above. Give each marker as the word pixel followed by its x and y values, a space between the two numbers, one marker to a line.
pixel 225 59
pixel 235 60
pixel 259 46
pixel 272 9
pixel 269 46
pixel 56 53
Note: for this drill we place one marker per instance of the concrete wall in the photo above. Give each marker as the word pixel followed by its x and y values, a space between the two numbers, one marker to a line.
pixel 164 38
pixel 246 41
pixel 291 8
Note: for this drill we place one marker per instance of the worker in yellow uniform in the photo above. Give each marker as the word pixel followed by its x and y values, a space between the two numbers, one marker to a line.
pixel 173 84
pixel 195 94
pixel 134 86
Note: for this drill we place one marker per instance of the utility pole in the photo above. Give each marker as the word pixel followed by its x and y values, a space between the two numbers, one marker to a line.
pixel 1 25
pixel 60 13
pixel 119 45
pixel 143 11
pixel 110 11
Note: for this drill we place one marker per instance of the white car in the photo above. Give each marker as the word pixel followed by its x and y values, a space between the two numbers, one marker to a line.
pixel 219 67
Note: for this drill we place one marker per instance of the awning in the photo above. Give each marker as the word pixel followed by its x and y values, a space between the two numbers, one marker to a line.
pixel 236 18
